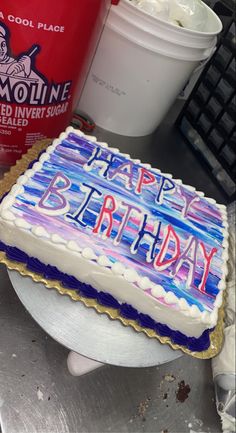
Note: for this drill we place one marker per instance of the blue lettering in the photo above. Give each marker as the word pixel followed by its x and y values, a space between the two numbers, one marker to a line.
pixel 78 215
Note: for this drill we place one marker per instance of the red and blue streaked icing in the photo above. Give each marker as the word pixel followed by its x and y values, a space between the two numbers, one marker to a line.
pixel 130 214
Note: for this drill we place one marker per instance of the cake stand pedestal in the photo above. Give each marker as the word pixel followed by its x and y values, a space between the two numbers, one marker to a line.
pixel 79 365
pixel 96 338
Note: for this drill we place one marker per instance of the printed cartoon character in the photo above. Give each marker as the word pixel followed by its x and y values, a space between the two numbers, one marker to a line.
pixel 16 67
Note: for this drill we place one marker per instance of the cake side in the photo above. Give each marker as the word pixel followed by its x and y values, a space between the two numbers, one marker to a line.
pixel 102 278
pixel 204 347
pixel 132 272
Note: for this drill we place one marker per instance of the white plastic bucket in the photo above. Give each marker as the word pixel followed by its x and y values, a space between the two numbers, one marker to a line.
pixel 140 66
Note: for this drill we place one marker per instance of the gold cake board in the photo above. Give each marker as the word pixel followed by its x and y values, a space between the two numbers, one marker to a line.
pixel 216 336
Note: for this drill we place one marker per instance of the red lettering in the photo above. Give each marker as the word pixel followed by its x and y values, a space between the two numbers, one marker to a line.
pixel 106 212
pixel 160 261
pixel 145 178
pixel 208 259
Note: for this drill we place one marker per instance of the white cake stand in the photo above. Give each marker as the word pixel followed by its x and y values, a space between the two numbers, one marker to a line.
pixel 92 338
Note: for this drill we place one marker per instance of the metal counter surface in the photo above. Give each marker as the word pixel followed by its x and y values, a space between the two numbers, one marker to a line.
pixel 37 393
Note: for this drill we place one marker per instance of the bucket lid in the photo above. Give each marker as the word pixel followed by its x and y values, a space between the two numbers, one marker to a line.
pixel 139 19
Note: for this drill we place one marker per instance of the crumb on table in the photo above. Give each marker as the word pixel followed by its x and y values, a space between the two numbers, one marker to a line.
pixel 182 391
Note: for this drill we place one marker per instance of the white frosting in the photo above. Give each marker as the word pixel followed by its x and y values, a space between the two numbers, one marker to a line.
pixel 194 311
pixel 183 304
pixel 131 275
pixel 144 283
pixel 224 217
pixel 157 291
pixel 213 318
pixel 62 136
pixel 43 157
pixel 206 318
pixel 40 232
pixel 17 189
pixel 71 129
pixel 118 268
pixel 72 245
pixel 104 261
pixel 114 149
pixel 7 202
pixel 50 149
pixel 226 225
pixel 222 207
pixel 167 175
pixel 30 172
pixel 212 200
pixel 219 300
pixel 56 239
pixel 200 193
pixel 20 222
pixel 91 138
pixel 225 255
pixel 7 215
pixel 37 165
pixel 88 253
pixel 225 243
pixel 125 155
pixel 179 182
pixel 156 170
pixel 102 144
pixel 23 178
pixel 170 298
pixel 190 188
pixel 221 285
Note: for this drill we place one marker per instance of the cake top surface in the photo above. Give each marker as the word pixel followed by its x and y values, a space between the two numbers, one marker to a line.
pixel 157 233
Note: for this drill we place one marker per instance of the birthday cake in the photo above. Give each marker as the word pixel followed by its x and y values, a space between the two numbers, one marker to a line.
pixel 123 233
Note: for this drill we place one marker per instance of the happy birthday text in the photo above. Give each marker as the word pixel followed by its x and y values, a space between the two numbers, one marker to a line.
pixel 171 255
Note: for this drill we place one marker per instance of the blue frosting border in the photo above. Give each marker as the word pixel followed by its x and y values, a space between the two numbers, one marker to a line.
pixel 127 311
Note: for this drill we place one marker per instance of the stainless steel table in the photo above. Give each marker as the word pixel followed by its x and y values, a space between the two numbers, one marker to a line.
pixel 38 395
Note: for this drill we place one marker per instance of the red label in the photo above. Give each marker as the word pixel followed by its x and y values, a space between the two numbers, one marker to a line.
pixel 45 52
